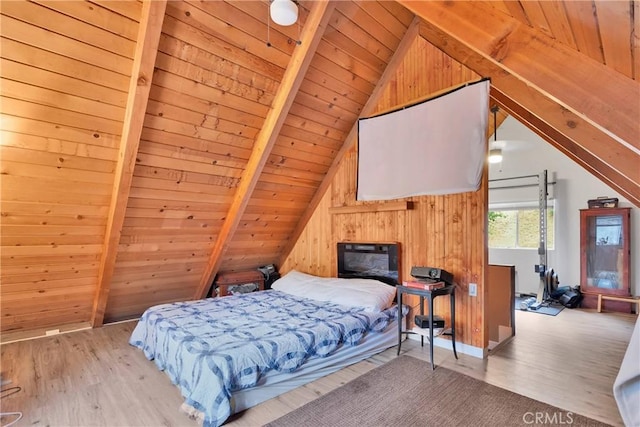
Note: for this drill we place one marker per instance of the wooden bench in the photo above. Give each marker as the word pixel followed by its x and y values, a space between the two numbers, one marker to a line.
pixel 631 300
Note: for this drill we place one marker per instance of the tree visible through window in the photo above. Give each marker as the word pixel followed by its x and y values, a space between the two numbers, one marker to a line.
pixel 519 228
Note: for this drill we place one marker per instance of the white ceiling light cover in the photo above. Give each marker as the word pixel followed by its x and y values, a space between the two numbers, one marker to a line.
pixel 495 155
pixel 283 12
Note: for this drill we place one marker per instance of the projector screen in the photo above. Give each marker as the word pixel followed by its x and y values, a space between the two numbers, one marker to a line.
pixel 435 147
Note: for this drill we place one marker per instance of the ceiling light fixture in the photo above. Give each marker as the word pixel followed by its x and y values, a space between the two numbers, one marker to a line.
pixel 283 12
pixel 495 154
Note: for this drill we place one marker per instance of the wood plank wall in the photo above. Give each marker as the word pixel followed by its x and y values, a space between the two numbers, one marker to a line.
pixel 207 103
pixel 214 83
pixel 340 79
pixel 443 231
pixel 66 69
pixel 65 72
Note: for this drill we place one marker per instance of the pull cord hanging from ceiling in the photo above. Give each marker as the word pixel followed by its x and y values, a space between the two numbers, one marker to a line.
pixel 284 13
pixel 495 154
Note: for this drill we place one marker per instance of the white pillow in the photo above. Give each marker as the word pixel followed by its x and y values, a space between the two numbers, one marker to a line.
pixel 371 294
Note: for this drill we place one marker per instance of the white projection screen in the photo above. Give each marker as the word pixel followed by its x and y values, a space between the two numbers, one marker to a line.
pixel 432 148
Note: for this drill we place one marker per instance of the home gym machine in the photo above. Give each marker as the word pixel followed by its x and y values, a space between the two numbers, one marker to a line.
pixel 548 278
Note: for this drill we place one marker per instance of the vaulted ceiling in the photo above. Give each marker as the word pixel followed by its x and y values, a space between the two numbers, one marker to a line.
pixel 148 145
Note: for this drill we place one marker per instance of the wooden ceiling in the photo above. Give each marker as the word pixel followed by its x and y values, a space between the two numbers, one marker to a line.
pixel 147 146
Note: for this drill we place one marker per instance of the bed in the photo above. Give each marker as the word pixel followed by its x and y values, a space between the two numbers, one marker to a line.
pixel 228 354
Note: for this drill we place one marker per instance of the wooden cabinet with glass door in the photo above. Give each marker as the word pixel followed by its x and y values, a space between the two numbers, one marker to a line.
pixel 605 256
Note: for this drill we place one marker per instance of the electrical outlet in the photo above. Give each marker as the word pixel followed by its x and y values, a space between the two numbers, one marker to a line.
pixel 473 290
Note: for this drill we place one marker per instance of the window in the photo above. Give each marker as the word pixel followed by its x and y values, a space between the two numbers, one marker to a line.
pixel 518 226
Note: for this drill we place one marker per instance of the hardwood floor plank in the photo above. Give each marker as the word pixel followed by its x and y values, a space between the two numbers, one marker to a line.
pixel 94 377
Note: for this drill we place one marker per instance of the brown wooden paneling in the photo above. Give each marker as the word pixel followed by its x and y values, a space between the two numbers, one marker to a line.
pixel 65 74
pixel 70 27
pixel 23 31
pixel 443 231
pixel 597 29
pixel 53 137
pixel 501 288
pixel 62 74
pixel 211 91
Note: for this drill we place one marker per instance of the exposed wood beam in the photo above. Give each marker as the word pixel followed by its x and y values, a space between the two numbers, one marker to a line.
pixel 312 33
pixel 569 146
pixel 389 73
pixel 603 97
pixel 561 98
pixel 139 87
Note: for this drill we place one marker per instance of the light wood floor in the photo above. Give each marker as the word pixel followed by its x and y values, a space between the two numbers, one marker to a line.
pixel 94 378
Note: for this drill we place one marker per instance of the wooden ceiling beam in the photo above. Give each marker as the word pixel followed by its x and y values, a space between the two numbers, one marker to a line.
pixel 566 145
pixel 601 96
pixel 561 98
pixel 149 31
pixel 601 155
pixel 389 73
pixel 312 33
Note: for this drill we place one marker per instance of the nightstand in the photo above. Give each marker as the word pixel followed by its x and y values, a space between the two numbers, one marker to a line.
pixel 429 295
pixel 225 280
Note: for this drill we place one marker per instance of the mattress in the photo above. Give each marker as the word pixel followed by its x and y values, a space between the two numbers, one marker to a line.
pixel 215 350
pixel 276 383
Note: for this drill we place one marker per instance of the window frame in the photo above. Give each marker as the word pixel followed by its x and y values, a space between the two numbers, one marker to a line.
pixel 523 206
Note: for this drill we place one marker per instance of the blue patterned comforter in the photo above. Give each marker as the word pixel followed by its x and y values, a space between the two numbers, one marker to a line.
pixel 212 347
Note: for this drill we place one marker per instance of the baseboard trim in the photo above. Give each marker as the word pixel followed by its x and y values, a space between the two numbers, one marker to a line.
pixel 480 353
pixel 9 337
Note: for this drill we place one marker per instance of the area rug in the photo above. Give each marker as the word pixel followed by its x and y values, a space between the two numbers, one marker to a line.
pixel 406 392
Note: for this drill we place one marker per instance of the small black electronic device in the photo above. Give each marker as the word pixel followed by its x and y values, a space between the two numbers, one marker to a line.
pixel 423 321
pixel 270 273
pixel 432 274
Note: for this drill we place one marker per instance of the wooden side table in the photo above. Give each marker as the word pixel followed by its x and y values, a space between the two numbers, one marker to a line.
pixel 224 280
